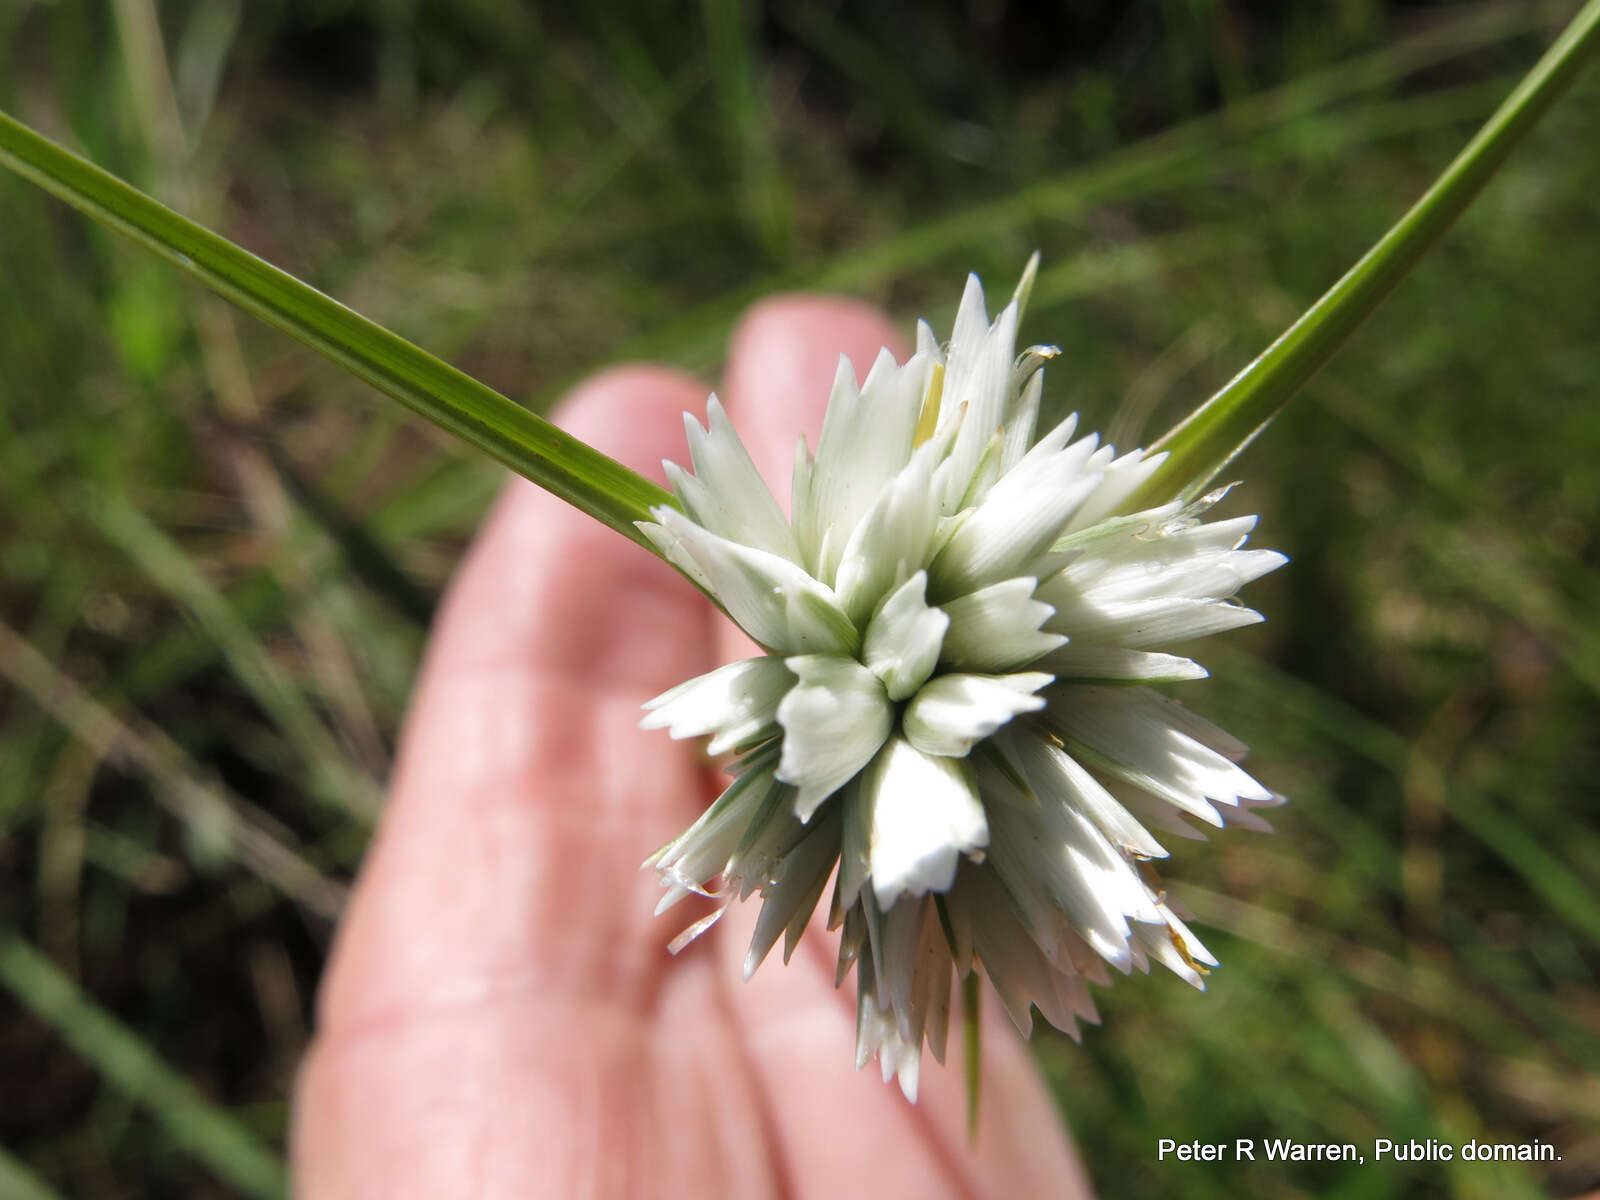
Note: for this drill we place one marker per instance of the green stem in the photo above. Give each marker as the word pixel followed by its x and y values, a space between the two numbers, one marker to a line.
pixel 1205 441
pixel 454 401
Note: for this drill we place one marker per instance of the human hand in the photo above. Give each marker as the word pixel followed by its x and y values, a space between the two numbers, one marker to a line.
pixel 500 1016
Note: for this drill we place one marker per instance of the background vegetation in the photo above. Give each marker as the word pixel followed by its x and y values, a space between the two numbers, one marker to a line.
pixel 218 555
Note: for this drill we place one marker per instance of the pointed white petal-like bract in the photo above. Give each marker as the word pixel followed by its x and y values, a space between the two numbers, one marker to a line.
pixel 772 599
pixel 1170 581
pixel 1058 850
pixel 997 628
pixel 689 862
pixel 877 1032
pixel 1020 517
pixel 726 493
pixel 894 539
pixel 953 713
pixel 1121 479
pixel 1057 777
pixel 1189 722
pixel 1214 576
pixel 736 703
pixel 925 815
pixel 789 898
pixel 1024 413
pixel 1141 624
pixel 976 375
pixel 985 922
pixel 903 641
pixel 1101 663
pixel 1129 728
pixel 771 837
pixel 675 552
pixel 865 441
pixel 834 720
pixel 855 851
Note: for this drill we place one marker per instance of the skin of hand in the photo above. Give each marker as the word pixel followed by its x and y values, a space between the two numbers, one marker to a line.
pixel 500 1017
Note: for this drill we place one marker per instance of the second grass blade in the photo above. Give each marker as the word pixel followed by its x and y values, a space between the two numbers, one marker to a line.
pixel 1205 441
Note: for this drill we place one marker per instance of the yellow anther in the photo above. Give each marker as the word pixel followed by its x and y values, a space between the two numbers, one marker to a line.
pixel 928 417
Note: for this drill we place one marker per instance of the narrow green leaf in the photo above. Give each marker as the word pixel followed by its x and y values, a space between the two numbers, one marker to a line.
pixel 129 1065
pixel 454 401
pixel 366 557
pixel 332 776
pixel 1547 876
pixel 765 198
pixel 19 1183
pixel 1204 442
pixel 1480 810
pixel 1184 154
pixel 214 817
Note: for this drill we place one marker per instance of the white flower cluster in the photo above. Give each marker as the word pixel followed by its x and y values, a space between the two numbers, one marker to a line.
pixel 952 718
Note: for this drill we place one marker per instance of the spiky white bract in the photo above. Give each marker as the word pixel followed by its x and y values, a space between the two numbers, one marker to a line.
pixel 953 719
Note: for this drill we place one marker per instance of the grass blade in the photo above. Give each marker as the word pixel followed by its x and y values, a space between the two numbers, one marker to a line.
pixel 211 812
pixel 747 115
pixel 454 401
pixel 1204 442
pixel 1480 812
pixel 1175 157
pixel 129 1065
pixel 19 1183
pixel 333 777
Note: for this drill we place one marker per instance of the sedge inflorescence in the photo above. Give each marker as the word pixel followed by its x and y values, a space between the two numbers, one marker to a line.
pixel 953 718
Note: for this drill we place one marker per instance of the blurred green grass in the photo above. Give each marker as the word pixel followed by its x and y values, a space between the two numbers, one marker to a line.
pixel 217 555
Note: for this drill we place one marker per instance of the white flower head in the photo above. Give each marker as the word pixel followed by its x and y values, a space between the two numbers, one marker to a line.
pixel 953 719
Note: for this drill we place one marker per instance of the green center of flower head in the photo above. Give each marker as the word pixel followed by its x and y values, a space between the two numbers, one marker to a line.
pixel 953 719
